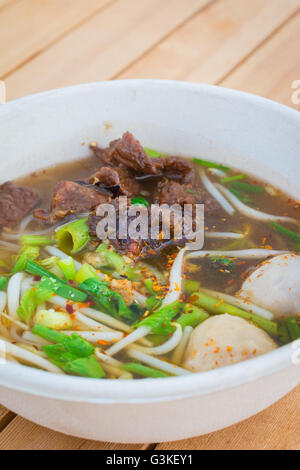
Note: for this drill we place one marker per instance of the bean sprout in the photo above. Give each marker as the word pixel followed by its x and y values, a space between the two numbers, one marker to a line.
pixel 211 188
pixel 13 293
pixel 156 363
pixel 132 338
pixel 253 213
pixel 175 280
pixel 180 349
pixel 224 235
pixel 166 347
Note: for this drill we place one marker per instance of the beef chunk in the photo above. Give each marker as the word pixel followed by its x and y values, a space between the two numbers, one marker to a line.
pixel 171 192
pixel 176 168
pixel 71 198
pixel 128 152
pixel 15 203
pixel 113 177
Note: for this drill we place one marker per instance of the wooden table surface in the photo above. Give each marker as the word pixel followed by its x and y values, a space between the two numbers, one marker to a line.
pixel 251 45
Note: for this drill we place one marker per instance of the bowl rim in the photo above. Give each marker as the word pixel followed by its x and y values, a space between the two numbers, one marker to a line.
pixel 77 389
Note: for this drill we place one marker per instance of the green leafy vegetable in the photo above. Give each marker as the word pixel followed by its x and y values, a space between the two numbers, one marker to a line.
pixel 49 263
pixel 85 272
pixel 72 238
pixel 192 316
pixel 211 164
pixel 105 298
pixel 144 371
pixel 140 201
pixel 72 353
pixel 68 268
pixel 285 231
pixel 160 321
pixel 215 306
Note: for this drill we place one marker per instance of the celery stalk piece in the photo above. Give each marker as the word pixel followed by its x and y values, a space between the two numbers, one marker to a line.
pixel 215 307
pixel 72 238
pixel 68 268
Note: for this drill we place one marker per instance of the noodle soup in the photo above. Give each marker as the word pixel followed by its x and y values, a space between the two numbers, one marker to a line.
pixel 125 308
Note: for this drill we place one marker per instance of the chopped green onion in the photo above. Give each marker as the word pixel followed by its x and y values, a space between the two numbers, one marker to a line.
pixel 208 164
pixel 284 337
pixel 153 302
pixel 230 179
pixel 85 272
pixel 36 270
pixel 3 282
pixel 192 316
pixel 160 322
pixel 293 328
pixel 139 201
pixel 68 268
pixel 190 286
pixel 242 198
pixel 62 289
pixel 216 307
pixel 191 191
pixel 72 238
pixel 36 240
pixel 248 188
pixel 153 153
pixel 285 231
pixel 144 371
pixel 149 286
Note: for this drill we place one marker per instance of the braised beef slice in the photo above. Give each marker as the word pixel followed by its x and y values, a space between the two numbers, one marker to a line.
pixel 15 203
pixel 176 168
pixel 71 198
pixel 113 177
pixel 171 192
pixel 128 152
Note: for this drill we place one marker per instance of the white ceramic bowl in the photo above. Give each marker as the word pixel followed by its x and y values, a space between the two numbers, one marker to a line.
pixel 251 133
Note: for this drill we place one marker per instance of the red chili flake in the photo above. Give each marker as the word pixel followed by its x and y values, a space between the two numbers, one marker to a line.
pixel 37 278
pixel 70 309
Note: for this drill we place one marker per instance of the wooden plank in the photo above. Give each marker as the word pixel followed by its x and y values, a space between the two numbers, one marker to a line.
pixel 21 434
pixel 28 26
pixel 208 46
pixel 6 417
pixel 103 46
pixel 277 428
pixel 273 68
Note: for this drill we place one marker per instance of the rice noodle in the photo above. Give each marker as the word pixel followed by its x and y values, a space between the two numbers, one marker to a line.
pixel 251 253
pixel 107 359
pixel 166 347
pixel 224 235
pixel 180 350
pixel 94 337
pixel 17 236
pixel 211 188
pixel 253 213
pixel 25 222
pixel 26 356
pixel 175 280
pixel 156 363
pixel 3 300
pixel 31 338
pixel 105 318
pixel 241 303
pixel 140 298
pixel 14 321
pixel 13 293
pixel 132 338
